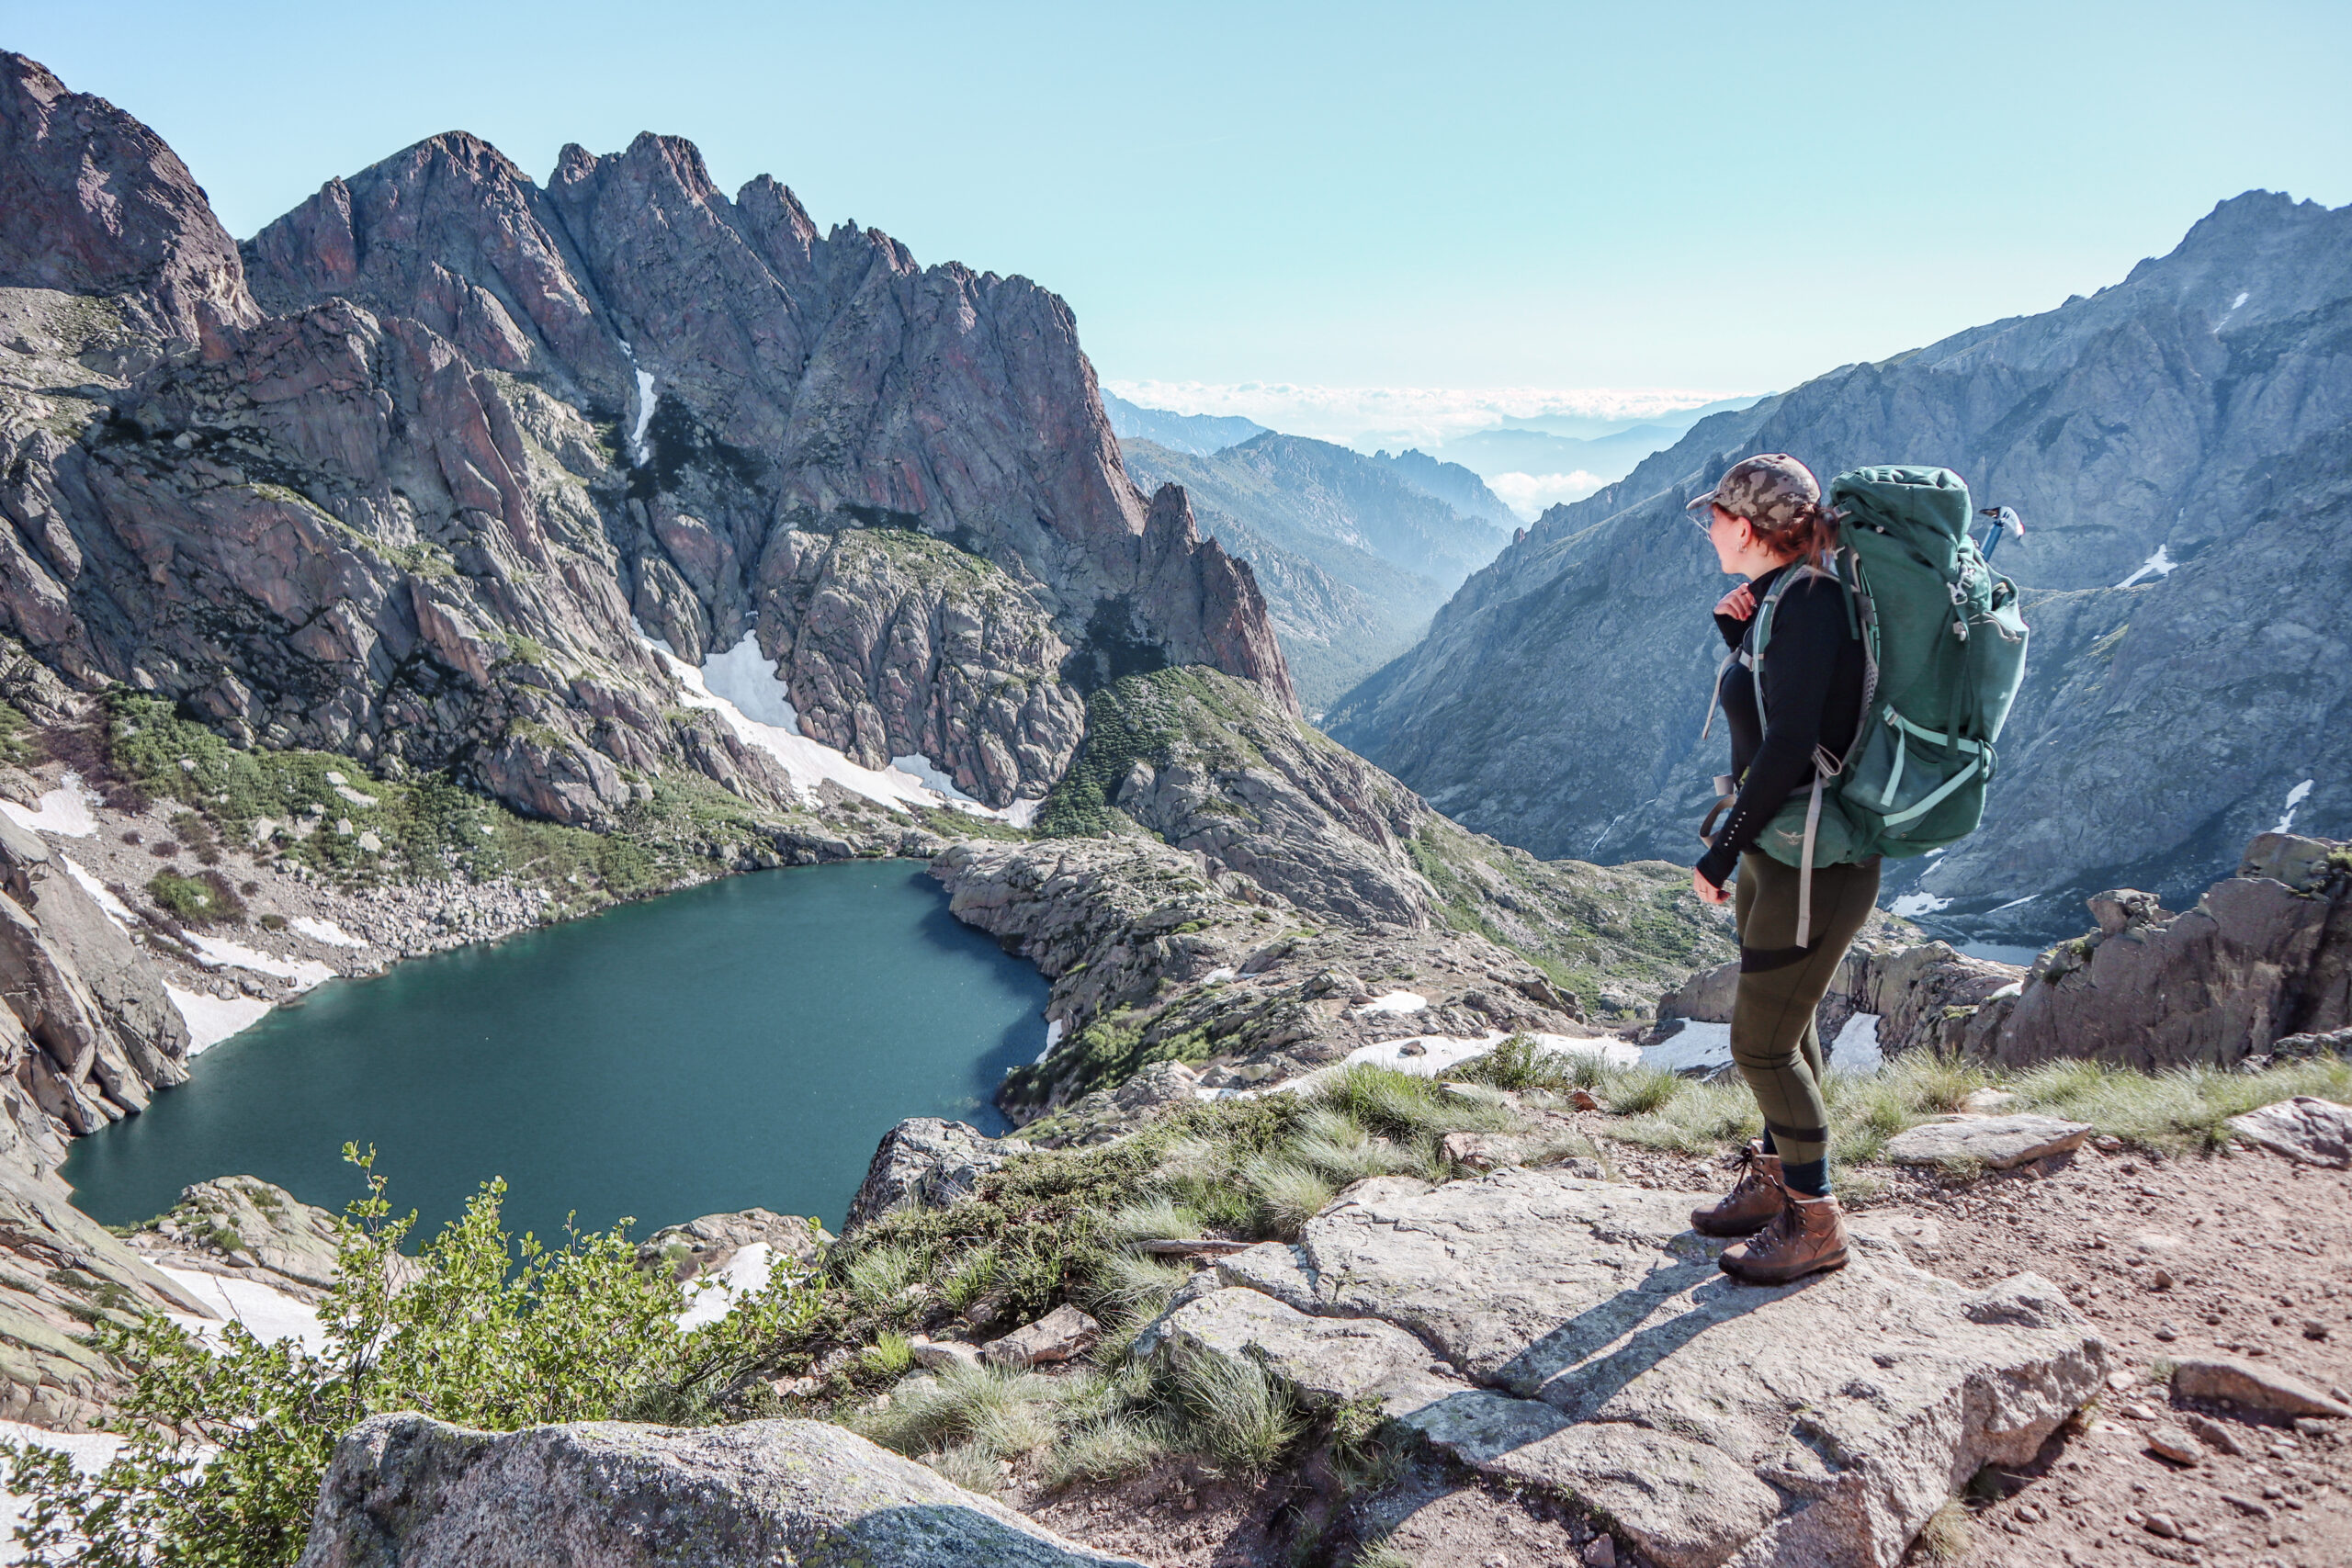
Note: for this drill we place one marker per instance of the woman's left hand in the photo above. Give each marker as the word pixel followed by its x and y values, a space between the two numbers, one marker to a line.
pixel 1707 891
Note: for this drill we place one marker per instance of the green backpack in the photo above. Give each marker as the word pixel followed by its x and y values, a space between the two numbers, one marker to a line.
pixel 1945 650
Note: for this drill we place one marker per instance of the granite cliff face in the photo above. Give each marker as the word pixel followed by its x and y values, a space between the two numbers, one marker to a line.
pixel 2177 445
pixel 405 479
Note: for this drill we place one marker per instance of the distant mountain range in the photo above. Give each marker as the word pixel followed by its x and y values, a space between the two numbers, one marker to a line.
pixel 1196 434
pixel 1354 553
pixel 2180 445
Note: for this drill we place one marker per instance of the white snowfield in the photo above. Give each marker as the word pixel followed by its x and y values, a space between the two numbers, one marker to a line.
pixel 211 1020
pixel 2295 797
pixel 268 1315
pixel 714 1296
pixel 117 911
pixel 65 810
pixel 741 686
pixel 215 952
pixel 1394 1002
pixel 1910 905
pixel 2157 565
pixel 324 930
pixel 1695 1047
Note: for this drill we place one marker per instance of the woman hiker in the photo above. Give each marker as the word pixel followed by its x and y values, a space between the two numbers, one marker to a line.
pixel 1765 519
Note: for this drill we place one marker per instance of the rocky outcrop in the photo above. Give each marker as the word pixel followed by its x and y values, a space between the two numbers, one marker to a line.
pixel 2178 445
pixel 414 1491
pixel 243 1227
pixel 1206 764
pixel 706 1246
pixel 926 1162
pixel 417 512
pixel 2264 955
pixel 1188 981
pixel 1576 1336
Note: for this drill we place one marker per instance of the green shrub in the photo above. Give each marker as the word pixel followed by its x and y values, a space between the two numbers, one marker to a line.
pixel 197 900
pixel 492 1333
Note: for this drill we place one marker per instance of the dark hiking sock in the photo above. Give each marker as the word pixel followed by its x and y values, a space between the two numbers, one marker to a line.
pixel 1770 1146
pixel 1809 1179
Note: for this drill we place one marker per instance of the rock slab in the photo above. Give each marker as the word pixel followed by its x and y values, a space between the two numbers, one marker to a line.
pixel 2000 1142
pixel 2313 1131
pixel 2257 1388
pixel 1576 1336
pixel 407 1489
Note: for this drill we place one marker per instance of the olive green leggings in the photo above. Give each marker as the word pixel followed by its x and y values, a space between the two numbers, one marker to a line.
pixel 1773 1039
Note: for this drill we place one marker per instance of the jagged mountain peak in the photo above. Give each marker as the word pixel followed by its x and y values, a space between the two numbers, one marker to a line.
pixel 93 202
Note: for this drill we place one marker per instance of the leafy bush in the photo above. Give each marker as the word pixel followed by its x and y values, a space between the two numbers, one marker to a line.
pixel 227 1443
pixel 205 899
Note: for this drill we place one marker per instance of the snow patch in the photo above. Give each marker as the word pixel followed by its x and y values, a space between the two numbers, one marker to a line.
pixel 2013 903
pixel 713 1296
pixel 1053 1038
pixel 1856 1050
pixel 638 454
pixel 211 1020
pixel 65 810
pixel 2243 295
pixel 805 761
pixel 1440 1053
pixel 2157 565
pixel 1226 973
pixel 269 1314
pixel 1911 906
pixel 90 1451
pixel 1694 1048
pixel 326 931
pixel 117 911
pixel 1394 1001
pixel 215 952
pixel 2295 797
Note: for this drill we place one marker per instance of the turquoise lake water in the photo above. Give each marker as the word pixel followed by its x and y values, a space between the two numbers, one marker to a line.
pixel 742 1044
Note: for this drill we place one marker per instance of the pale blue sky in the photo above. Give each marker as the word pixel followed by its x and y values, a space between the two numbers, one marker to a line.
pixel 1715 197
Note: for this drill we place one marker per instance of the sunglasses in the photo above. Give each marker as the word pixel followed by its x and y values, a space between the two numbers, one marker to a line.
pixel 1703 519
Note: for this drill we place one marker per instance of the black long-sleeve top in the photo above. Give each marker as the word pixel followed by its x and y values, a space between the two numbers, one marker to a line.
pixel 1813 672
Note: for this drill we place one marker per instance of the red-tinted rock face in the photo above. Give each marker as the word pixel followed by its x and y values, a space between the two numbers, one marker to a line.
pixel 92 202
pixel 485 416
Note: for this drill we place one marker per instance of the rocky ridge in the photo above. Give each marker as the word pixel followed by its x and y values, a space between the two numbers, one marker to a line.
pixel 2177 445
pixel 409 496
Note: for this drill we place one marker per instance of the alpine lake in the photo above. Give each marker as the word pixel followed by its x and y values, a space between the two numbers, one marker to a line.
pixel 742 1044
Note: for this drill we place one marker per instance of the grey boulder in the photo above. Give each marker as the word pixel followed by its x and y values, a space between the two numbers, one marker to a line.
pixel 406 1489
pixel 1576 1335
pixel 927 1162
pixel 2000 1142
pixel 2313 1131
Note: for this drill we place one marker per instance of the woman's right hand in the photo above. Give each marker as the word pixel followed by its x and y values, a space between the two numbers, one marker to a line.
pixel 1707 891
pixel 1739 603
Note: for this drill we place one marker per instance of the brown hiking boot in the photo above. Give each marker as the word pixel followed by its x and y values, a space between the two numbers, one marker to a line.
pixel 1750 1206
pixel 1807 1237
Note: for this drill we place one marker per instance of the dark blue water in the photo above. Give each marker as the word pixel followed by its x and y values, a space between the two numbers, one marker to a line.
pixel 745 1043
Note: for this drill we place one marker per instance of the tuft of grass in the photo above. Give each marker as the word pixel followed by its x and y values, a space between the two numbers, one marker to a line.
pixel 1700 1119
pixel 1110 1448
pixel 1155 1218
pixel 1005 1410
pixel 1128 1286
pixel 1339 1147
pixel 1383 1555
pixel 1401 1106
pixel 877 1278
pixel 1639 1092
pixel 1948 1534
pixel 891 1355
pixel 2174 1112
pixel 1289 1192
pixel 970 1466
pixel 1234 1412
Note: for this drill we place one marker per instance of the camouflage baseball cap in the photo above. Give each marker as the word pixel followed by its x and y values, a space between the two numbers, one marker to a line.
pixel 1771 488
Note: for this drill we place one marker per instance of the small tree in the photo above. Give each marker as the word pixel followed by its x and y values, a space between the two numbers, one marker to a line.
pixel 227 1444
